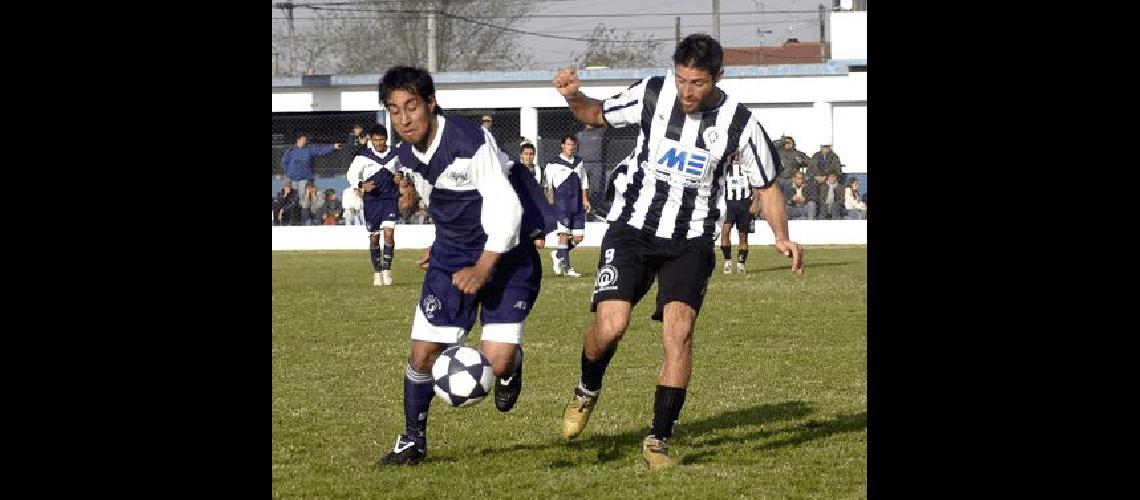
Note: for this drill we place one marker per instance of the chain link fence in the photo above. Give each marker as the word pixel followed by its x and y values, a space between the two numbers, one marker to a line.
pixel 553 124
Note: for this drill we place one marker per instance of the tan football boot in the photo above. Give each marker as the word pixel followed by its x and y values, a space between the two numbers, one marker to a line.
pixel 656 453
pixel 576 415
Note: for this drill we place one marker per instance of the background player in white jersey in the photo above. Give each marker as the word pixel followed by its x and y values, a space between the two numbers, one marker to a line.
pixel 568 186
pixel 373 171
pixel 476 265
pixel 741 208
pixel 666 212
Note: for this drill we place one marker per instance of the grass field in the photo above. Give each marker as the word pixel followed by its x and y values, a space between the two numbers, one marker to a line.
pixel 777 405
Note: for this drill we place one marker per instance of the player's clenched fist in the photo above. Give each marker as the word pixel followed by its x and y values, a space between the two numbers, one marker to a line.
pixel 566 81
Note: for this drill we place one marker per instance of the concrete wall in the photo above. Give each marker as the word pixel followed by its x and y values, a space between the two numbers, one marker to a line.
pixel 820 232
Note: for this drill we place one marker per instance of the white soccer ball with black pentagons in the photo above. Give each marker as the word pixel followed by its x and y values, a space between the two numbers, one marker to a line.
pixel 462 376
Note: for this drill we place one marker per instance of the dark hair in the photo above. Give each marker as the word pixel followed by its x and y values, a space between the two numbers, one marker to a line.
pixel 700 51
pixel 526 145
pixel 415 80
pixel 568 136
pixel 302 134
pixel 378 129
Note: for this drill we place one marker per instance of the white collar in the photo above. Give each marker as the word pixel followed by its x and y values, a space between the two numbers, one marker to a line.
pixel 426 156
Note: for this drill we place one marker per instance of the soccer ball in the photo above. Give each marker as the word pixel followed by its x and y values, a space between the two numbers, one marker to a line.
pixel 462 376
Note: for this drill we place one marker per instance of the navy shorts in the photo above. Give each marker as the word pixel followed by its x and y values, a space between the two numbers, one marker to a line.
pixel 445 315
pixel 379 212
pixel 574 223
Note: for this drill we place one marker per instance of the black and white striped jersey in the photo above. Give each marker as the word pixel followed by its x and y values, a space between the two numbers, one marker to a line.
pixel 673 188
pixel 736 187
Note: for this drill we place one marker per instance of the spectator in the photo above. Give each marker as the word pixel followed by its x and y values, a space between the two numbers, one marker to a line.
pixel 823 162
pixel 333 209
pixel 287 208
pixel 297 162
pixel 831 198
pixel 803 198
pixel 590 150
pixel 409 200
pixel 311 203
pixel 353 207
pixel 792 160
pixel 487 121
pixel 851 200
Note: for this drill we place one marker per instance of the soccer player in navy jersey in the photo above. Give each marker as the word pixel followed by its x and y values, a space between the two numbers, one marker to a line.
pixel 566 179
pixel 373 170
pixel 667 209
pixel 482 260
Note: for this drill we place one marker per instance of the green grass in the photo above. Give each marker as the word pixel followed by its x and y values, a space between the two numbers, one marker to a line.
pixel 777 405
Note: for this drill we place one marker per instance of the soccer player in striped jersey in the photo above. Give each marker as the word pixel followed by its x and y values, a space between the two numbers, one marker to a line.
pixel 667 209
pixel 741 208
pixel 373 171
pixel 482 210
pixel 566 181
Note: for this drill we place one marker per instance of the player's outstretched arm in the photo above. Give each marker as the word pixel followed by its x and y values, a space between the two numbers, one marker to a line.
pixel 587 110
pixel 775 212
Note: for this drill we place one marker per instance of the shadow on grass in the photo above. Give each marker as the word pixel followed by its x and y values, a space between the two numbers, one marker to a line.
pixel 606 448
pixel 795 436
pixel 807 267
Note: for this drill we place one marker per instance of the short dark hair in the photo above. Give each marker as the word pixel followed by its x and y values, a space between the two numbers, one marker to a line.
pixel 700 51
pixel 378 129
pixel 526 145
pixel 415 80
pixel 568 137
pixel 302 134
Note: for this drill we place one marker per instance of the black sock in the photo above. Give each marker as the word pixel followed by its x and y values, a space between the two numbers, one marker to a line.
pixel 667 403
pixel 386 260
pixel 727 251
pixel 375 253
pixel 417 399
pixel 593 371
pixel 570 245
pixel 742 255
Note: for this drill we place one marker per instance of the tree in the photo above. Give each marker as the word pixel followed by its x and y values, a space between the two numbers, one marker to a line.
pixel 369 37
pixel 607 48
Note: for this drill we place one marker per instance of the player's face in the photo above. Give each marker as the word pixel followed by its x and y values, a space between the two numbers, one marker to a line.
pixel 301 141
pixel 527 156
pixel 411 115
pixel 568 147
pixel 695 87
pixel 379 142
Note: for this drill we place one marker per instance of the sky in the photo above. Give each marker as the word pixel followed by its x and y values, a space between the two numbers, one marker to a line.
pixel 740 21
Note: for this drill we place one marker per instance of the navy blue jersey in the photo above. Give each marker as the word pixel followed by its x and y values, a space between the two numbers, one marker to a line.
pixel 566 178
pixel 378 167
pixel 472 203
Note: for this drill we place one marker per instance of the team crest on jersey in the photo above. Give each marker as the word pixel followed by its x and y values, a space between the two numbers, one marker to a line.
pixel 607 279
pixel 712 136
pixel 430 305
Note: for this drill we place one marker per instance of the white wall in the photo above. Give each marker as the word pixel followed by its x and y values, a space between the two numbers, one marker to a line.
pixel 848 35
pixel 293 101
pixel 819 232
pixel 849 121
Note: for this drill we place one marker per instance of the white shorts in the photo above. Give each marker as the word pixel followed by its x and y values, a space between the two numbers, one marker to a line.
pixel 572 232
pixel 422 329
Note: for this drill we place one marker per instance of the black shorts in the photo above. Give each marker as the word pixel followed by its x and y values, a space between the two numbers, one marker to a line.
pixel 631 259
pixel 736 213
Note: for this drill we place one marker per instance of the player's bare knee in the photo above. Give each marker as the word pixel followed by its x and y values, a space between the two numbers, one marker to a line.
pixel 423 355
